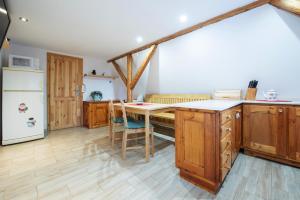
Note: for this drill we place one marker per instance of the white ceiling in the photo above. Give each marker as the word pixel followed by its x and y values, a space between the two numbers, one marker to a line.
pixel 105 28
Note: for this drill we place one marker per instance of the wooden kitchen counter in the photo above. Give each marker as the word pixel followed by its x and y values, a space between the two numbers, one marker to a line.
pixel 209 136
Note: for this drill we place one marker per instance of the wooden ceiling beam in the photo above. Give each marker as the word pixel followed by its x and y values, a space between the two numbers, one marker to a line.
pixel 213 20
pixel 143 67
pixel 118 69
pixel 129 77
pixel 292 6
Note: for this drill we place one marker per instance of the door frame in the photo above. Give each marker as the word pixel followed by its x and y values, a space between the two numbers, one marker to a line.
pixel 48 87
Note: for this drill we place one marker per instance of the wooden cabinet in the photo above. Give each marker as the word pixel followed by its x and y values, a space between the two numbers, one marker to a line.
pixel 236 132
pixel 294 134
pixel 265 129
pixel 207 143
pixel 95 114
pixel 196 147
pixel 231 120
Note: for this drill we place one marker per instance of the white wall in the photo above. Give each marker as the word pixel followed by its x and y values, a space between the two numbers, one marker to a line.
pixel 106 86
pixel 261 44
pixel 103 85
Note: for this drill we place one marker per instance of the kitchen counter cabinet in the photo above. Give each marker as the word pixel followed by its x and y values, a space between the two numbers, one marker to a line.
pixel 209 140
pixel 196 147
pixel 294 134
pixel 207 143
pixel 265 129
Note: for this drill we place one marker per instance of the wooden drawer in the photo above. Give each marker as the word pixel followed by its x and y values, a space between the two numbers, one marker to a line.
pixel 226 116
pixel 225 162
pixel 226 129
pixel 224 172
pixel 226 158
pixel 225 142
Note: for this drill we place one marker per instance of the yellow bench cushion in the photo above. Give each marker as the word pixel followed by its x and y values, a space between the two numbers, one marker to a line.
pixel 170 116
pixel 175 98
pixel 171 99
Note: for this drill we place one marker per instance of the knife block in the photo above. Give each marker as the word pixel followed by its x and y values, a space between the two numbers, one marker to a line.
pixel 251 94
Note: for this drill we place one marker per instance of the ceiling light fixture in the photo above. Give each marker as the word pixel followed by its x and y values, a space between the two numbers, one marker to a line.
pixel 2 10
pixel 183 18
pixel 139 39
pixel 23 19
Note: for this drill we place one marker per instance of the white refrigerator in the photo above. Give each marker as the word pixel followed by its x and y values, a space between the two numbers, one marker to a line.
pixel 22 105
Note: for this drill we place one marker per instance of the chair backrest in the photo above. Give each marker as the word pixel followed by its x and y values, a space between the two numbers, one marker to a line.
pixel 111 110
pixel 124 113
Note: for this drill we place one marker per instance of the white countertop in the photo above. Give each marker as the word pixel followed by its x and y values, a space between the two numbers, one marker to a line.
pixel 292 102
pixel 220 105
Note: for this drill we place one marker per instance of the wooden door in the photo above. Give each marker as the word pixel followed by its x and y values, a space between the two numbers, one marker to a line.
pixel 100 114
pixel 236 132
pixel 294 134
pixel 196 143
pixel 265 129
pixel 64 91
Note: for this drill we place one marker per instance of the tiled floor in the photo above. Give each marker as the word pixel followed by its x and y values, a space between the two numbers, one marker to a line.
pixel 79 164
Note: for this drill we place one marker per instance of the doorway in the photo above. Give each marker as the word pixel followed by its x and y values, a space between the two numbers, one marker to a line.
pixel 64 84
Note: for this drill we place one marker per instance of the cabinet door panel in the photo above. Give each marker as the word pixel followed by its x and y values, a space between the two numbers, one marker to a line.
pixel 100 114
pixel 294 133
pixel 265 128
pixel 195 143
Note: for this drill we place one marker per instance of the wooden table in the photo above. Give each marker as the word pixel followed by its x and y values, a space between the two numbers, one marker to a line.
pixel 146 109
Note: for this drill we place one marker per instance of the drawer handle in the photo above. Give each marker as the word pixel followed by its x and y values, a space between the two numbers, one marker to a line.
pixel 228 156
pixel 228 117
pixel 226 167
pixel 228 129
pixel 227 144
pixel 280 110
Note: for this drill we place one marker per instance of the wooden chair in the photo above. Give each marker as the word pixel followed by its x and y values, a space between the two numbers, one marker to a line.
pixel 134 128
pixel 116 124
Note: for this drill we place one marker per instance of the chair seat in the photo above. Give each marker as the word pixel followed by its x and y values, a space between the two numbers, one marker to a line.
pixel 120 120
pixel 137 124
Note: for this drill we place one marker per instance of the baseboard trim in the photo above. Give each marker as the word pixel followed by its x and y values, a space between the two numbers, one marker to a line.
pixel 19 140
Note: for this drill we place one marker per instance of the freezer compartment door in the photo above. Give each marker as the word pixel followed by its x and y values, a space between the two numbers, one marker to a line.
pixel 22 115
pixel 22 80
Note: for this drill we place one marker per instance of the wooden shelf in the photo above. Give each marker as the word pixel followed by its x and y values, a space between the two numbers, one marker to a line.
pixel 100 76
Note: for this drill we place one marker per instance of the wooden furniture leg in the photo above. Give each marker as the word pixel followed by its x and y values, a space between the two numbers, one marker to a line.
pixel 110 131
pixel 113 137
pixel 124 144
pixel 147 135
pixel 152 143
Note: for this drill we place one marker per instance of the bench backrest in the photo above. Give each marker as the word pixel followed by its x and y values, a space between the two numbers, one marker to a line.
pixel 175 98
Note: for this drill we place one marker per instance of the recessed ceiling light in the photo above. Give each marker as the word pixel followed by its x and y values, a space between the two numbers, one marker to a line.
pixel 23 19
pixel 139 39
pixel 2 10
pixel 183 18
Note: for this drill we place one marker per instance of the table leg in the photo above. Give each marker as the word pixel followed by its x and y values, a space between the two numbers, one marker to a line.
pixel 147 135
pixel 110 130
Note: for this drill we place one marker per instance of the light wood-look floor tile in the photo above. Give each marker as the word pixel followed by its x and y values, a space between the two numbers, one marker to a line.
pixel 79 164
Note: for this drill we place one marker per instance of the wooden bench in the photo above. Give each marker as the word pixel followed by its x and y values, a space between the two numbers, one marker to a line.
pixel 165 121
